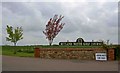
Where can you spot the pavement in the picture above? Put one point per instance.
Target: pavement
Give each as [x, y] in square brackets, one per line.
[10, 63]
[119, 67]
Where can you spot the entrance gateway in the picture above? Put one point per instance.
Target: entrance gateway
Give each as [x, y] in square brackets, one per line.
[81, 42]
[81, 53]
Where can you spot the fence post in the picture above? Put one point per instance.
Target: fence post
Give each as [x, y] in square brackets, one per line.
[36, 52]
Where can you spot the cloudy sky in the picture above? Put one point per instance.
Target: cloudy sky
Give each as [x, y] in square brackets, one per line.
[89, 20]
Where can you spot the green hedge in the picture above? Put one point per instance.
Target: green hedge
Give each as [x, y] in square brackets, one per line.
[117, 53]
[57, 46]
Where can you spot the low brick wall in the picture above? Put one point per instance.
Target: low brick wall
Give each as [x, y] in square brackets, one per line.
[111, 54]
[70, 53]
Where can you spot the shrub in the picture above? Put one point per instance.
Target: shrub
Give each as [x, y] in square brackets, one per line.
[117, 53]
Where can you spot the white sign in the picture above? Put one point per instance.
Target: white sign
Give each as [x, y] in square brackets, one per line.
[101, 56]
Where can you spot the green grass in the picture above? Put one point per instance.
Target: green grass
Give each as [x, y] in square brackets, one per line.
[22, 51]
[19, 54]
[57, 46]
[0, 50]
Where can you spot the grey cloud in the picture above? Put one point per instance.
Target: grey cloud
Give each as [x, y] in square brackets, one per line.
[90, 20]
[18, 8]
[48, 9]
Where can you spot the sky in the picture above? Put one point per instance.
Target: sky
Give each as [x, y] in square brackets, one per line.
[88, 20]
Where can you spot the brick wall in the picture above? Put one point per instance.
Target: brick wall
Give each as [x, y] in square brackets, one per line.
[111, 55]
[37, 53]
[72, 53]
[69, 53]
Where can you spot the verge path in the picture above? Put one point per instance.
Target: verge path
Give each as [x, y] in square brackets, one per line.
[10, 63]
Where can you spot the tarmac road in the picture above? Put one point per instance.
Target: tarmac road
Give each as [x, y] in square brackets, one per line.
[10, 63]
[119, 67]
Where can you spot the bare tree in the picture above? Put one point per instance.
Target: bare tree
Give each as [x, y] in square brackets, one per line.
[104, 45]
[53, 27]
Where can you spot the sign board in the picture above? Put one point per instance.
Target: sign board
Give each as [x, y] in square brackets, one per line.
[81, 42]
[101, 56]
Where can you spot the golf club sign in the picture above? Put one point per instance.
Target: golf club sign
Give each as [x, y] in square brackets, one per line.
[80, 42]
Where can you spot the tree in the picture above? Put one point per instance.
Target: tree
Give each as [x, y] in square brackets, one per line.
[53, 27]
[104, 45]
[107, 42]
[14, 35]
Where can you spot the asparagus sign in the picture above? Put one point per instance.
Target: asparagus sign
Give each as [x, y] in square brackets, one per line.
[53, 27]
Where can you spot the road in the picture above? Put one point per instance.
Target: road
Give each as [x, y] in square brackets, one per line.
[10, 63]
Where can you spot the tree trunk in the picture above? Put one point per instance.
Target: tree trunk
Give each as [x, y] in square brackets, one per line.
[15, 48]
[50, 42]
[14, 43]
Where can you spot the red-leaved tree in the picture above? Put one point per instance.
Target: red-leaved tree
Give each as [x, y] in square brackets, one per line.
[53, 27]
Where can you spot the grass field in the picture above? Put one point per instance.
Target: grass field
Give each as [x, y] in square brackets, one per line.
[57, 46]
[22, 51]
[0, 50]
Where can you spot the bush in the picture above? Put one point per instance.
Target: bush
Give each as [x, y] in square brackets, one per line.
[26, 50]
[117, 53]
